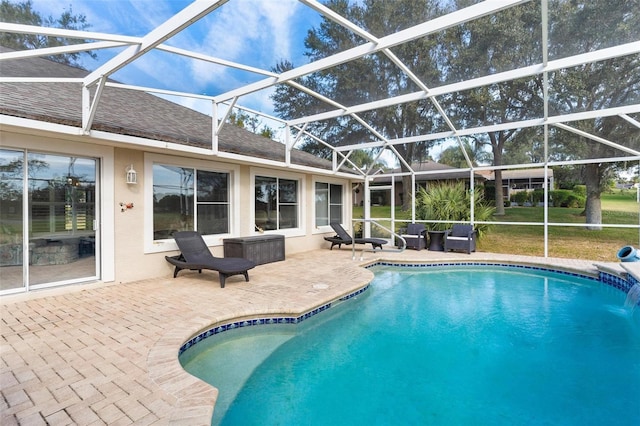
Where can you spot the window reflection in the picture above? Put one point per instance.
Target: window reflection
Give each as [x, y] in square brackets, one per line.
[186, 199]
[276, 203]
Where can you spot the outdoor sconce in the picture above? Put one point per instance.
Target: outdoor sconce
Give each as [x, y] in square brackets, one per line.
[132, 176]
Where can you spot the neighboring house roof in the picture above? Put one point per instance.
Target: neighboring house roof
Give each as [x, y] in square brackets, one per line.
[128, 112]
[437, 171]
[537, 173]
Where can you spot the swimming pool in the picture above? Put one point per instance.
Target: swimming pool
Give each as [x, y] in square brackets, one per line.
[481, 345]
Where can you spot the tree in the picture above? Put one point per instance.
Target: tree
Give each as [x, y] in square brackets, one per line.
[364, 160]
[23, 13]
[345, 83]
[454, 157]
[610, 83]
[252, 123]
[508, 40]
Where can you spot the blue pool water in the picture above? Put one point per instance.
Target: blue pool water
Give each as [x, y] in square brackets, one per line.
[437, 346]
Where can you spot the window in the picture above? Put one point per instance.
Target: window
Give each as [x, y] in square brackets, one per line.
[187, 199]
[276, 203]
[328, 203]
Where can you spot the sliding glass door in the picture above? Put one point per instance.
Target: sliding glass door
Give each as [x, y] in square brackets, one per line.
[48, 215]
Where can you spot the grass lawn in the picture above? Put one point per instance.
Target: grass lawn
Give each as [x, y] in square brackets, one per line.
[618, 207]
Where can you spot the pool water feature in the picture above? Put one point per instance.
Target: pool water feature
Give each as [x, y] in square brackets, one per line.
[463, 345]
[633, 297]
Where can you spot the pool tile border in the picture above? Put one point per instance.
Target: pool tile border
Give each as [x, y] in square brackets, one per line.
[265, 321]
[617, 281]
[609, 279]
[612, 280]
[495, 264]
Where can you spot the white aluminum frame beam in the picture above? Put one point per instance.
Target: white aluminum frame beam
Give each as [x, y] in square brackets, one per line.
[421, 30]
[405, 69]
[61, 50]
[138, 46]
[64, 33]
[163, 32]
[599, 55]
[585, 115]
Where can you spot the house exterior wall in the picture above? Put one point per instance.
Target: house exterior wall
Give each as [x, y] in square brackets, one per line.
[124, 245]
[514, 185]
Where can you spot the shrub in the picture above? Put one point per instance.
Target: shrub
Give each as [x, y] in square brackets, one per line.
[565, 198]
[575, 201]
[520, 197]
[451, 202]
[537, 196]
[580, 190]
[558, 197]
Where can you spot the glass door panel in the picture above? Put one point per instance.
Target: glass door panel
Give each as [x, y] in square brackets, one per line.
[381, 206]
[62, 213]
[11, 220]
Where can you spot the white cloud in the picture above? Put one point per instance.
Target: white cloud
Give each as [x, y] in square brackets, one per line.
[253, 32]
[279, 17]
[256, 33]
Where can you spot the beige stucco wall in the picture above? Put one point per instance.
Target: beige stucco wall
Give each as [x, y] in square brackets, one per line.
[125, 255]
[133, 263]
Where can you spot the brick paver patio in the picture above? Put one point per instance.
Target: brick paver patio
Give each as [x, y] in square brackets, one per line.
[107, 353]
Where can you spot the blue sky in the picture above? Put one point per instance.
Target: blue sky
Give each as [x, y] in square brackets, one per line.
[259, 33]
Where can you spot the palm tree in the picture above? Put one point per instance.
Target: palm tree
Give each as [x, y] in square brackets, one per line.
[454, 157]
[450, 202]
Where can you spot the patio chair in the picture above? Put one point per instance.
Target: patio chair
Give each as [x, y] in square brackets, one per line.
[415, 236]
[343, 237]
[460, 237]
[195, 255]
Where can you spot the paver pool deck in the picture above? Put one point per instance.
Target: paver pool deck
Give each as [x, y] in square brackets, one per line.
[100, 353]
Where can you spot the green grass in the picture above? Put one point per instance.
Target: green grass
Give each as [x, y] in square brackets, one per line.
[619, 207]
[621, 200]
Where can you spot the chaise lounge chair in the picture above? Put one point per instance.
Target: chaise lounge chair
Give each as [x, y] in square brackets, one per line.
[195, 255]
[343, 237]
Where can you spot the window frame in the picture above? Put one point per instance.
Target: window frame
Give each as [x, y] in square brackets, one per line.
[301, 211]
[168, 244]
[346, 200]
[330, 204]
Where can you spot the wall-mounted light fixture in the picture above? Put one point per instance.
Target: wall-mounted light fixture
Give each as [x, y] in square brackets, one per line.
[132, 176]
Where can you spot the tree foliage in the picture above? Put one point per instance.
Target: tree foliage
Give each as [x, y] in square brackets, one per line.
[370, 78]
[251, 123]
[23, 13]
[496, 43]
[449, 202]
[454, 157]
[508, 40]
[586, 27]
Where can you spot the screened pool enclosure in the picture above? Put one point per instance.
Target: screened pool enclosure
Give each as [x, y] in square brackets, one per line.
[545, 85]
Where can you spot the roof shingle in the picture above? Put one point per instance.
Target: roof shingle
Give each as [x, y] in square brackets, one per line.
[128, 112]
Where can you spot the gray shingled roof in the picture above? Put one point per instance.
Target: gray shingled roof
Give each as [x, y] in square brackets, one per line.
[127, 112]
[446, 172]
